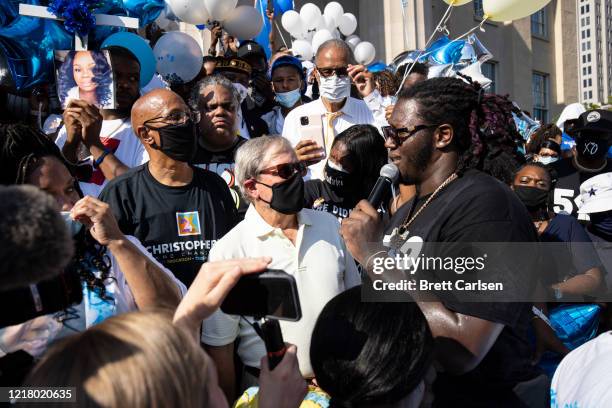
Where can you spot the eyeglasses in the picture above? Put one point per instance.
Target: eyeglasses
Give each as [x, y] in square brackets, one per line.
[285, 170]
[176, 118]
[327, 72]
[399, 136]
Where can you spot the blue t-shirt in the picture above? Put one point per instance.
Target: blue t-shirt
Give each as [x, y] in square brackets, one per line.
[574, 258]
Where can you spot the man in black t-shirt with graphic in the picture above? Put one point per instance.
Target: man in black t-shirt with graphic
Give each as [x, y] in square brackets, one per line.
[443, 133]
[217, 102]
[593, 134]
[177, 211]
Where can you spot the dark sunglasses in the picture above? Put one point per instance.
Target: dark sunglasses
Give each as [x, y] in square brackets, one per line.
[327, 72]
[399, 136]
[285, 170]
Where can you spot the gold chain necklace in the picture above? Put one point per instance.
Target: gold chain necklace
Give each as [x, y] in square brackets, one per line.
[399, 235]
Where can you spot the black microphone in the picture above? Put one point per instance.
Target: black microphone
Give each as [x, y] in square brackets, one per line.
[389, 174]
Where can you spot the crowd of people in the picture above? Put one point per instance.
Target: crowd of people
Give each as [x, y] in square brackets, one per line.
[124, 229]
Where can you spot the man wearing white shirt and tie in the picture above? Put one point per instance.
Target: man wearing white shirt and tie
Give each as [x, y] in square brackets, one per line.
[339, 111]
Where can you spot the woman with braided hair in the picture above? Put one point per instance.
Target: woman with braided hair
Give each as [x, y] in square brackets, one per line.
[117, 273]
[445, 136]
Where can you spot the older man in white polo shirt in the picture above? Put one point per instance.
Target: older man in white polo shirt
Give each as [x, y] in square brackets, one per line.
[339, 111]
[302, 242]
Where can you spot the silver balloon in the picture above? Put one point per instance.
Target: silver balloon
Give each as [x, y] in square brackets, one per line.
[481, 52]
[406, 57]
[441, 71]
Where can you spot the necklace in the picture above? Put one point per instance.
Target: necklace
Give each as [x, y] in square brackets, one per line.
[399, 235]
[587, 170]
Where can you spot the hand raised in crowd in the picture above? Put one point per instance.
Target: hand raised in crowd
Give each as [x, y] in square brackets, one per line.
[270, 14]
[211, 285]
[363, 225]
[283, 387]
[362, 78]
[215, 33]
[98, 216]
[309, 152]
[89, 122]
[263, 85]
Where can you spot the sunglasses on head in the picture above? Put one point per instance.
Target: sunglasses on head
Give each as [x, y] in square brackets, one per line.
[399, 136]
[286, 170]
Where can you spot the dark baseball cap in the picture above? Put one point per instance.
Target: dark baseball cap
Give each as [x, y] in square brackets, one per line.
[250, 47]
[596, 121]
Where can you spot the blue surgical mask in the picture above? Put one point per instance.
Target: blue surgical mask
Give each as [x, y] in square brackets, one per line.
[74, 227]
[547, 160]
[288, 99]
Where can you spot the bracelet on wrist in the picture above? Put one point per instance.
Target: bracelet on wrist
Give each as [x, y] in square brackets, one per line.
[100, 159]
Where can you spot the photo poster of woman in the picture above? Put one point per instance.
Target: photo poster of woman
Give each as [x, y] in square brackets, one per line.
[85, 75]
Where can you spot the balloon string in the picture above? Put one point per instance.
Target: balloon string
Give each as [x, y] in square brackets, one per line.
[281, 35]
[443, 21]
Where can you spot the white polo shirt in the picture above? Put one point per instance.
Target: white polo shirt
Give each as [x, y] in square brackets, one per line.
[319, 262]
[355, 112]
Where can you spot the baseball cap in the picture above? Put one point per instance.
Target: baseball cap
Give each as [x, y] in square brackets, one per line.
[596, 194]
[287, 60]
[250, 47]
[233, 64]
[598, 120]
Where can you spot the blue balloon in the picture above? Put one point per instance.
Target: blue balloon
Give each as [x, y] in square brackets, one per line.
[567, 142]
[449, 53]
[139, 47]
[201, 26]
[377, 66]
[436, 45]
[281, 6]
[27, 44]
[146, 11]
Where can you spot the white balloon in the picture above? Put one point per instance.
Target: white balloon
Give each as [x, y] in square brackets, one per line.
[508, 10]
[310, 15]
[333, 11]
[303, 49]
[336, 34]
[474, 71]
[178, 56]
[352, 41]
[244, 23]
[364, 52]
[347, 23]
[219, 9]
[325, 23]
[319, 38]
[190, 11]
[292, 22]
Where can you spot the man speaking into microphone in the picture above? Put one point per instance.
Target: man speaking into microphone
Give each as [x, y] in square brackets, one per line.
[445, 135]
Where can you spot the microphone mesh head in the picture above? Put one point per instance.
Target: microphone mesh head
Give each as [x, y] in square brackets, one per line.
[390, 171]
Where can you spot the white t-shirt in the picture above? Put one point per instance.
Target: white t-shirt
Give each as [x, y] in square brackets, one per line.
[355, 112]
[584, 377]
[35, 335]
[117, 136]
[319, 261]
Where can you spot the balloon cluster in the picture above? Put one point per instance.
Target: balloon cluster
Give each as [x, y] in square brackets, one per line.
[505, 10]
[311, 28]
[242, 22]
[446, 58]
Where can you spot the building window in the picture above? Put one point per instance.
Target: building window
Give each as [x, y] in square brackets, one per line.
[540, 96]
[539, 26]
[590, 94]
[478, 8]
[488, 70]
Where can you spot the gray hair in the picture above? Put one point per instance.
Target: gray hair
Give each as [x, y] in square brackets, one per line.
[335, 43]
[36, 245]
[254, 156]
[212, 80]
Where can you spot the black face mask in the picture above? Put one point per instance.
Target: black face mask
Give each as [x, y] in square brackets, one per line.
[339, 181]
[178, 142]
[533, 198]
[287, 197]
[591, 147]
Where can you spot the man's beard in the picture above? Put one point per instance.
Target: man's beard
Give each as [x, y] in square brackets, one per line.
[419, 161]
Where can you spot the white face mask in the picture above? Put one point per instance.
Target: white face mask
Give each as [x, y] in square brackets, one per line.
[242, 91]
[546, 160]
[334, 88]
[74, 227]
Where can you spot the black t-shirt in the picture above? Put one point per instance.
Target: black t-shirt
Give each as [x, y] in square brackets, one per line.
[223, 164]
[568, 184]
[577, 257]
[178, 225]
[478, 208]
[319, 196]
